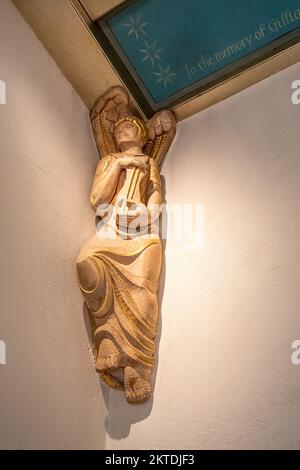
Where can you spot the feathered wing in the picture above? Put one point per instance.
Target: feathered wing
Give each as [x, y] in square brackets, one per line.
[162, 130]
[111, 106]
[115, 104]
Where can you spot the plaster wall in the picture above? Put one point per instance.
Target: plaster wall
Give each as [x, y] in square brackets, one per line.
[49, 394]
[231, 309]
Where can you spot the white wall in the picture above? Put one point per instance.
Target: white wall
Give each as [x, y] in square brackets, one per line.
[231, 310]
[49, 394]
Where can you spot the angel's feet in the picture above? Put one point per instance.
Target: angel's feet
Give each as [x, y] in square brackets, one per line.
[137, 385]
[109, 356]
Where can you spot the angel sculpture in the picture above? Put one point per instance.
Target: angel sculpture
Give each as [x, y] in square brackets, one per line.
[118, 275]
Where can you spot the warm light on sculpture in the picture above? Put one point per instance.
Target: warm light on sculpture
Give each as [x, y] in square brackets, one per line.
[119, 267]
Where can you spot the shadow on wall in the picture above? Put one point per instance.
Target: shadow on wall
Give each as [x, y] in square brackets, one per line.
[121, 414]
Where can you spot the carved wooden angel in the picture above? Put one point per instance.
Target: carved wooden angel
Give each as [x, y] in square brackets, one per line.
[119, 267]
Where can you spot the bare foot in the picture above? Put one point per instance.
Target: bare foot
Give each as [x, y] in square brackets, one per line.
[109, 356]
[137, 385]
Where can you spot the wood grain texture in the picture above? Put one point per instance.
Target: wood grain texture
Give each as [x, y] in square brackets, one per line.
[119, 267]
[96, 8]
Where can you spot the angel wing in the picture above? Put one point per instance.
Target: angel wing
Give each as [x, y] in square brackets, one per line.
[111, 106]
[162, 130]
[115, 104]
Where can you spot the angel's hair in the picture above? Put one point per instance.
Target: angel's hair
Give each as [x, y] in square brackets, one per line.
[141, 126]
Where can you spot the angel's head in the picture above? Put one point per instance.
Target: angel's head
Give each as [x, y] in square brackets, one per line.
[130, 131]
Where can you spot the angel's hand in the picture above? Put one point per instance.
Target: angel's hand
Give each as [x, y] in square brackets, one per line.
[131, 162]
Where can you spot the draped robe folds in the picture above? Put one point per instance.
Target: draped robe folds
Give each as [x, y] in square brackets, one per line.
[128, 270]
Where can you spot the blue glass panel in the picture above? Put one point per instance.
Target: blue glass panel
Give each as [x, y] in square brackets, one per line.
[172, 44]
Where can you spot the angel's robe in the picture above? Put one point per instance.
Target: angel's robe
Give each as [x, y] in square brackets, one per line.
[128, 270]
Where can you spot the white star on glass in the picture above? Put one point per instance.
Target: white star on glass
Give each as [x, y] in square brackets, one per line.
[135, 26]
[164, 76]
[151, 53]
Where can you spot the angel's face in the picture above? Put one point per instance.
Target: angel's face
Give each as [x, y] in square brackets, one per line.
[127, 133]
